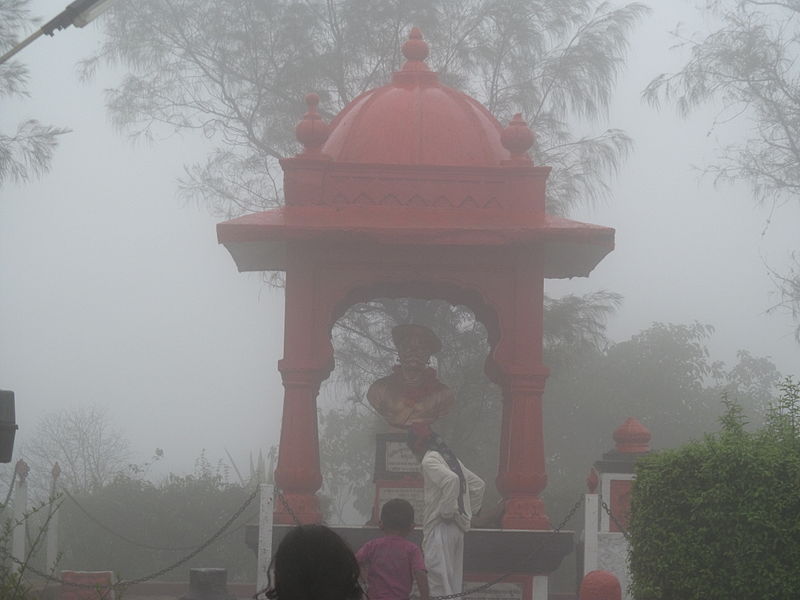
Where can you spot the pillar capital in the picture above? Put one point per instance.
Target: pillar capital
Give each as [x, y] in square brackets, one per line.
[295, 374]
[520, 378]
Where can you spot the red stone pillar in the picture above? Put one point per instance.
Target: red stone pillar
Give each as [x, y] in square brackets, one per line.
[307, 362]
[298, 475]
[521, 474]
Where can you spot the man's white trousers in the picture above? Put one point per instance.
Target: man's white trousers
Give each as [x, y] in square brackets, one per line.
[443, 547]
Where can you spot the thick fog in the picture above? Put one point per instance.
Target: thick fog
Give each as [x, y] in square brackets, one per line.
[114, 292]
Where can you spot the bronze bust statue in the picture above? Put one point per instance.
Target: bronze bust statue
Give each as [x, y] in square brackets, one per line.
[412, 393]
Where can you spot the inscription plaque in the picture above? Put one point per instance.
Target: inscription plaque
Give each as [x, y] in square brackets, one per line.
[393, 459]
[399, 458]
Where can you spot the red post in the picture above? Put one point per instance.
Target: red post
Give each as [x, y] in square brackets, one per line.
[298, 475]
[521, 474]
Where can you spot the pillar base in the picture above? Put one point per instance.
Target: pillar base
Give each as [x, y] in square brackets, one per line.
[526, 512]
[302, 509]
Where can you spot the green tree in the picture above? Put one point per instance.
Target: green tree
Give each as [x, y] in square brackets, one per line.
[717, 518]
[135, 527]
[746, 67]
[664, 376]
[27, 152]
[347, 453]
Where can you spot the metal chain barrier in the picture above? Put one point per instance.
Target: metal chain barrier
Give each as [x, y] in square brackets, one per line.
[121, 536]
[122, 585]
[288, 508]
[611, 516]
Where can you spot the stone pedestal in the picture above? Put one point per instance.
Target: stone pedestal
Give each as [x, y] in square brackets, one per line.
[604, 543]
[486, 551]
[396, 475]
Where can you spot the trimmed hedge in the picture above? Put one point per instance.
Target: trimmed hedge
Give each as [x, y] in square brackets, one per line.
[720, 518]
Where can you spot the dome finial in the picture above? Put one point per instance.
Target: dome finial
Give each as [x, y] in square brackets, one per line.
[632, 437]
[415, 49]
[312, 131]
[517, 138]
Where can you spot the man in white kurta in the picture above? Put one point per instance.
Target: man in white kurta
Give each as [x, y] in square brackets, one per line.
[446, 522]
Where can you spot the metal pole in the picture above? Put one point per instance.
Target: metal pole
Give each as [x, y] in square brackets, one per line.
[36, 34]
[52, 526]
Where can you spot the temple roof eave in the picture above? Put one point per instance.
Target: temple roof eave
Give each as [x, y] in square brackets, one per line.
[258, 241]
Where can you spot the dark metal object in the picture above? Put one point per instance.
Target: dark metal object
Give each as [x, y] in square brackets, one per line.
[8, 425]
[208, 584]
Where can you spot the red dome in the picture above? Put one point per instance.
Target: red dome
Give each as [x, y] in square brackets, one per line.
[447, 126]
[632, 437]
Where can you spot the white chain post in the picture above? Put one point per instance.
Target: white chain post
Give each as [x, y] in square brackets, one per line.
[265, 535]
[20, 508]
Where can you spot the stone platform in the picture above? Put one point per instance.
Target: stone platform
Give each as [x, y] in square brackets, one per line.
[485, 550]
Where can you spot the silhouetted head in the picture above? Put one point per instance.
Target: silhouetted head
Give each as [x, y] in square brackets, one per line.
[397, 515]
[313, 563]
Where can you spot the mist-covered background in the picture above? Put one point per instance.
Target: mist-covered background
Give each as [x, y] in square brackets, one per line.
[114, 292]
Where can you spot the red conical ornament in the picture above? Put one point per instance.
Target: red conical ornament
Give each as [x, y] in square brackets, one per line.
[592, 480]
[600, 585]
[632, 437]
[312, 131]
[517, 138]
[416, 50]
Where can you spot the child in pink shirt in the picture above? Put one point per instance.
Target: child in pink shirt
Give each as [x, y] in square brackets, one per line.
[391, 562]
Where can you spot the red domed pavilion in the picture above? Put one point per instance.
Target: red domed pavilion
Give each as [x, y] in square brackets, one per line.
[415, 190]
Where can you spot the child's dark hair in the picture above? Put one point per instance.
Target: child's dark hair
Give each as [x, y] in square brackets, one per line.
[313, 563]
[398, 515]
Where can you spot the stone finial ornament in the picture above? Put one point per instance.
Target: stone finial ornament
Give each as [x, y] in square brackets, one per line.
[592, 480]
[518, 138]
[312, 131]
[415, 49]
[600, 585]
[632, 437]
[22, 469]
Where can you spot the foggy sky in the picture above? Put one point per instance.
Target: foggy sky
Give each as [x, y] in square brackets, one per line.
[114, 292]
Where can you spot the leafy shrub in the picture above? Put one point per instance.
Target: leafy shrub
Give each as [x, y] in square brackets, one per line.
[135, 528]
[720, 518]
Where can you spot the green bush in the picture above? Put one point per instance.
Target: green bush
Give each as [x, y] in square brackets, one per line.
[720, 518]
